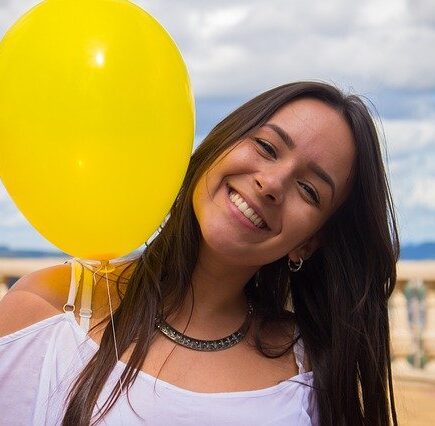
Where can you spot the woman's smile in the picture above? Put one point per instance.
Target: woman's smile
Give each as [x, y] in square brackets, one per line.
[236, 203]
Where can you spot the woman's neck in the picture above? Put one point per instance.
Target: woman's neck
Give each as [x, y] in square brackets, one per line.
[217, 295]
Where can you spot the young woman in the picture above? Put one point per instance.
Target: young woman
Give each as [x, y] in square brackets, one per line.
[282, 237]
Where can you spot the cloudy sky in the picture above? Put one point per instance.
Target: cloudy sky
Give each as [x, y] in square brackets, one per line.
[382, 50]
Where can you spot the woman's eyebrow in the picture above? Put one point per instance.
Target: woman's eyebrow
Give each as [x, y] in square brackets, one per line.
[314, 167]
[282, 133]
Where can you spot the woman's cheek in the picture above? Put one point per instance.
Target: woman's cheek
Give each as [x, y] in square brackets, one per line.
[299, 220]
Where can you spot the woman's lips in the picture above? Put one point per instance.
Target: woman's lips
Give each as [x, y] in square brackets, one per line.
[239, 216]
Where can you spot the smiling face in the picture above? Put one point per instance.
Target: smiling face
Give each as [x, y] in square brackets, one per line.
[288, 176]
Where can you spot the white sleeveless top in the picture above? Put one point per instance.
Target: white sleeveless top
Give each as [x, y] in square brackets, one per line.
[39, 363]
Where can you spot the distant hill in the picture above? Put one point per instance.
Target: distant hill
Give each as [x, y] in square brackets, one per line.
[5, 251]
[423, 251]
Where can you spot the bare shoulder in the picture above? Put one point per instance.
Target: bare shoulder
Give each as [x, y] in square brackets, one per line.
[34, 297]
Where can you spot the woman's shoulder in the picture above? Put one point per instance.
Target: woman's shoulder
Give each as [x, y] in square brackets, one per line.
[34, 297]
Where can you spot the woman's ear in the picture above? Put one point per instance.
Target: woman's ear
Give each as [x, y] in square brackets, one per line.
[306, 249]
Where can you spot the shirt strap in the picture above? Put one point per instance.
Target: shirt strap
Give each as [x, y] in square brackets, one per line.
[86, 301]
[80, 274]
[70, 303]
[298, 349]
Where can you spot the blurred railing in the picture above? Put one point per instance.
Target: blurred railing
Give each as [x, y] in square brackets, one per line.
[412, 312]
[412, 321]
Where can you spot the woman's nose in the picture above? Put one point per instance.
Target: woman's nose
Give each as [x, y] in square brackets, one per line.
[270, 187]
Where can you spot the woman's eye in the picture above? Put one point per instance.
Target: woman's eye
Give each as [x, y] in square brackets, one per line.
[310, 191]
[266, 147]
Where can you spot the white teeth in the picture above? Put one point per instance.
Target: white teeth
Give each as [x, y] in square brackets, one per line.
[238, 201]
[249, 212]
[243, 206]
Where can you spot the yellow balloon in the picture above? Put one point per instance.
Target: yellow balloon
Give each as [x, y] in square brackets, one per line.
[96, 124]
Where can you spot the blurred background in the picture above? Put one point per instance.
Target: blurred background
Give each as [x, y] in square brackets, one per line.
[379, 50]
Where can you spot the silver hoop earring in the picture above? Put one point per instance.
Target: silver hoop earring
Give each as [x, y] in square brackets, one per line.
[292, 268]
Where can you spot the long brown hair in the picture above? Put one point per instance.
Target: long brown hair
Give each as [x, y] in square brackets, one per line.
[339, 297]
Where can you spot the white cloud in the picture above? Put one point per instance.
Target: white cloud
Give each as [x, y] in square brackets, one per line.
[3, 194]
[407, 136]
[361, 44]
[411, 153]
[10, 216]
[424, 194]
[13, 220]
[383, 13]
[214, 22]
[422, 11]
[247, 46]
